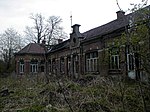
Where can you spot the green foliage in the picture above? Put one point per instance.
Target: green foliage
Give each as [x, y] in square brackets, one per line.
[136, 38]
[34, 108]
[74, 87]
[55, 109]
[93, 106]
[2, 67]
[98, 94]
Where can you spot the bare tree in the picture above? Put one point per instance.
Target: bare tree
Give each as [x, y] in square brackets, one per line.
[55, 30]
[10, 43]
[45, 29]
[38, 30]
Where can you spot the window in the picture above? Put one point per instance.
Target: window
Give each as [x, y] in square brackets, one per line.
[62, 65]
[92, 62]
[69, 64]
[50, 65]
[54, 65]
[114, 62]
[75, 64]
[74, 40]
[114, 58]
[130, 61]
[21, 66]
[130, 57]
[42, 65]
[34, 66]
[42, 68]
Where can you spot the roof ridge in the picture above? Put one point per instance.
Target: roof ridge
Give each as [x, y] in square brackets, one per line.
[28, 49]
[100, 26]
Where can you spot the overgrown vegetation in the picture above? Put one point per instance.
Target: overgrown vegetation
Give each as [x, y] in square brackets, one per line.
[88, 94]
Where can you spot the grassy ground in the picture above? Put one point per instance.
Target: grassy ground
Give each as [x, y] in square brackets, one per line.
[88, 94]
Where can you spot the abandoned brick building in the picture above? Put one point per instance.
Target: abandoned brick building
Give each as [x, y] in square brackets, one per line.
[83, 53]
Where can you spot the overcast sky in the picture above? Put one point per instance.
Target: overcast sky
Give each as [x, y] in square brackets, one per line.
[87, 13]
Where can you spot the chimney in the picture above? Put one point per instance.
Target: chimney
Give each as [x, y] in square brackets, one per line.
[120, 14]
[76, 28]
[60, 41]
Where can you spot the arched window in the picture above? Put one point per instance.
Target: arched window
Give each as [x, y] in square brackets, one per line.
[34, 66]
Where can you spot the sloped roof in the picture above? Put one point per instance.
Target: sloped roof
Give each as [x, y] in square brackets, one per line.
[98, 31]
[110, 27]
[107, 28]
[59, 46]
[32, 48]
[113, 25]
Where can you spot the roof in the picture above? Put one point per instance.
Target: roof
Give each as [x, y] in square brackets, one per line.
[32, 48]
[112, 26]
[107, 28]
[98, 31]
[59, 46]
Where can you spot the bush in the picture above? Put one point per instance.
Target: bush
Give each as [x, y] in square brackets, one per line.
[35, 108]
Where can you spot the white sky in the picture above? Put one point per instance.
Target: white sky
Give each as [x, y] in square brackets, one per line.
[87, 13]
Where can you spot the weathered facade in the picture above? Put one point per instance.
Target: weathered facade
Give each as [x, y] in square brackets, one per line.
[30, 60]
[84, 53]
